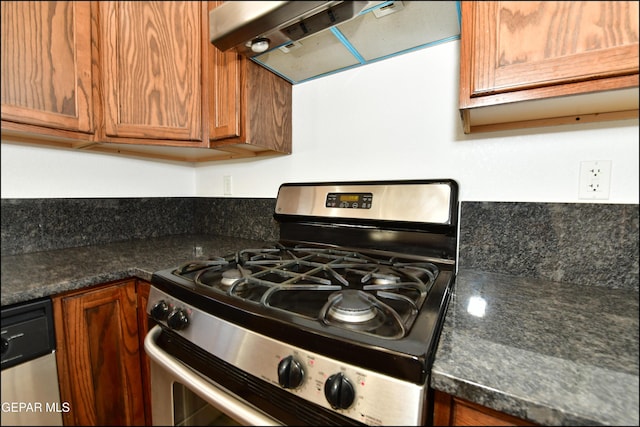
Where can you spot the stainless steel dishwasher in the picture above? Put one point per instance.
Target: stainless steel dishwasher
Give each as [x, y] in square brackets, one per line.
[30, 393]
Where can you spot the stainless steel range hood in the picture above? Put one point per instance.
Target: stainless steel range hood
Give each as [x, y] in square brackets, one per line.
[303, 40]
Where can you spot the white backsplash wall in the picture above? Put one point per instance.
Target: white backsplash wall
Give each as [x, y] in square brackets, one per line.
[35, 172]
[398, 119]
[394, 119]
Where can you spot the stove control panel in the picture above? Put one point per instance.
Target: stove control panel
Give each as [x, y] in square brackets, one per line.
[366, 396]
[349, 200]
[420, 201]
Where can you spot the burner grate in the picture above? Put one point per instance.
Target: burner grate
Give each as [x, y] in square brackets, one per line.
[380, 296]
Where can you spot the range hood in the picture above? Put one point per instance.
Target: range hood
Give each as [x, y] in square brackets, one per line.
[304, 40]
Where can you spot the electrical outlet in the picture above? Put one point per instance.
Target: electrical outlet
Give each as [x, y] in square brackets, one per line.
[595, 179]
[227, 185]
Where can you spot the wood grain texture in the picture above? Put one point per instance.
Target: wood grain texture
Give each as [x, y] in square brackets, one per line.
[142, 290]
[46, 64]
[269, 98]
[513, 52]
[540, 43]
[225, 94]
[249, 106]
[452, 411]
[98, 355]
[149, 83]
[151, 61]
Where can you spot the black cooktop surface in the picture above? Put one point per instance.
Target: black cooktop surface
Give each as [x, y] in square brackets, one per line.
[376, 295]
[381, 308]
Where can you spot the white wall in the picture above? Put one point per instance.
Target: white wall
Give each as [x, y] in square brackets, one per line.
[395, 119]
[398, 119]
[35, 172]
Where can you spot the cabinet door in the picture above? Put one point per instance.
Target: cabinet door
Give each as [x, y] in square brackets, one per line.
[225, 75]
[152, 70]
[46, 65]
[224, 102]
[143, 289]
[98, 356]
[453, 411]
[546, 63]
[249, 106]
[521, 45]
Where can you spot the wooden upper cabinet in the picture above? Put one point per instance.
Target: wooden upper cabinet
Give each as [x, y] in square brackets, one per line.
[514, 51]
[137, 78]
[151, 57]
[249, 106]
[225, 79]
[46, 67]
[540, 43]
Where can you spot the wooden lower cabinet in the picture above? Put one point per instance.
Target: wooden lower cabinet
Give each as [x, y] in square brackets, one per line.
[143, 288]
[101, 364]
[453, 411]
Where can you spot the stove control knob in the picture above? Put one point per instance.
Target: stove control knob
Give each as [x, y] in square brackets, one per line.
[290, 372]
[178, 319]
[339, 391]
[160, 311]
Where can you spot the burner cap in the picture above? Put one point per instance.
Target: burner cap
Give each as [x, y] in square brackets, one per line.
[230, 276]
[352, 306]
[386, 280]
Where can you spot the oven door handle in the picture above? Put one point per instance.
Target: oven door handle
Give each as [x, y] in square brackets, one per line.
[221, 400]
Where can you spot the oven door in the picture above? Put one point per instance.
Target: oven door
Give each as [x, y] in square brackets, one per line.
[182, 397]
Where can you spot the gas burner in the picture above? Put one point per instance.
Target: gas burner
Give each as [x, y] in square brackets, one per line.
[398, 274]
[229, 277]
[382, 276]
[351, 306]
[363, 312]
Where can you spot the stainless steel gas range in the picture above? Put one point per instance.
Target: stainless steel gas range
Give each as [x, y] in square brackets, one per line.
[336, 323]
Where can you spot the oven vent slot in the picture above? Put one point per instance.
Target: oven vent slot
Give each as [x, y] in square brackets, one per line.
[271, 399]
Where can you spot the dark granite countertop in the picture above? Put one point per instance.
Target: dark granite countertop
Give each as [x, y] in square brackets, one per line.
[549, 352]
[555, 354]
[40, 274]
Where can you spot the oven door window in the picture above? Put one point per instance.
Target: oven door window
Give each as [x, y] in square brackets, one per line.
[190, 410]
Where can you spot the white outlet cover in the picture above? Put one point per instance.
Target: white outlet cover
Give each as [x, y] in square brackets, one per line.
[595, 179]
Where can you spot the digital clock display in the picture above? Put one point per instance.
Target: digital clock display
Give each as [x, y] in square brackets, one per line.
[349, 197]
[349, 200]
